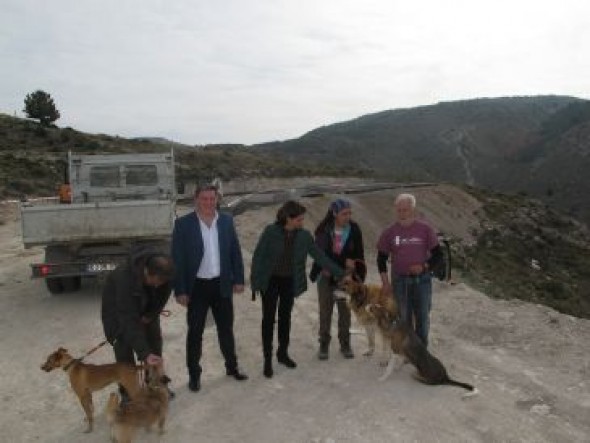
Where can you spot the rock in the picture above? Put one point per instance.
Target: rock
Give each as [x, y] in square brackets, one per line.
[487, 340]
[541, 409]
[505, 315]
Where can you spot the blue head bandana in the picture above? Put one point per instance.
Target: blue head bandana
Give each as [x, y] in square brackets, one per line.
[338, 205]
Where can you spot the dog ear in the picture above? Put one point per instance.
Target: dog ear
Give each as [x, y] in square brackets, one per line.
[62, 350]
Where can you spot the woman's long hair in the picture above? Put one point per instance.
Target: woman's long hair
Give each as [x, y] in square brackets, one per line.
[290, 209]
[326, 223]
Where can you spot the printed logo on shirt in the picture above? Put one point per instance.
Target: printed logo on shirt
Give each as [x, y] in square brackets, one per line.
[408, 241]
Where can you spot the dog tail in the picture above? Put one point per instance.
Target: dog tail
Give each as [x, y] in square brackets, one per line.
[460, 384]
[111, 408]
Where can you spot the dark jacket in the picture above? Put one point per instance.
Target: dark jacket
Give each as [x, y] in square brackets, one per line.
[125, 300]
[188, 250]
[353, 249]
[269, 249]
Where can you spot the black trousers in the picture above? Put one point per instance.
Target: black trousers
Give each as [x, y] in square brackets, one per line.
[153, 334]
[207, 294]
[279, 292]
[124, 352]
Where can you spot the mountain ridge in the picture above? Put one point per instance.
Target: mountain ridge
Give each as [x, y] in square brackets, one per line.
[507, 144]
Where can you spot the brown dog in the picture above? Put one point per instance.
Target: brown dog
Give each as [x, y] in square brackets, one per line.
[147, 409]
[405, 343]
[86, 378]
[361, 298]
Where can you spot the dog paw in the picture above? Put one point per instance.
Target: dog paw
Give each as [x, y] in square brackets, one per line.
[470, 394]
[383, 363]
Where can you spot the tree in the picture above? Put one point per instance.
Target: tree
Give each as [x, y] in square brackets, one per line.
[40, 105]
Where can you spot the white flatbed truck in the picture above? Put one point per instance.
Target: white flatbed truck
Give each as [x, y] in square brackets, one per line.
[117, 203]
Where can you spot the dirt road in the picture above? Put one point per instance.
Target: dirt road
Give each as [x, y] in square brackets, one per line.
[530, 364]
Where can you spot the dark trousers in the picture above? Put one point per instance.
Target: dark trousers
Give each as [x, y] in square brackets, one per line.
[206, 294]
[326, 303]
[414, 301]
[279, 292]
[153, 334]
[124, 352]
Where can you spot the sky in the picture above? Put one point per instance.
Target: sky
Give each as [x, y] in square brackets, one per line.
[254, 71]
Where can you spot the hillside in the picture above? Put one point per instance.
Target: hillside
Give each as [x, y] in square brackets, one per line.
[537, 146]
[534, 145]
[509, 233]
[508, 247]
[32, 158]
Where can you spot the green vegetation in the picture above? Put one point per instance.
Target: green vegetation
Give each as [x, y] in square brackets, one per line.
[510, 144]
[527, 251]
[39, 105]
[33, 158]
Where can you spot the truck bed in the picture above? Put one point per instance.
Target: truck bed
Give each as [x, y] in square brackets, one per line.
[46, 224]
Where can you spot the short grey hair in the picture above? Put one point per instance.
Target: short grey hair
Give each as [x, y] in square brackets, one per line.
[406, 197]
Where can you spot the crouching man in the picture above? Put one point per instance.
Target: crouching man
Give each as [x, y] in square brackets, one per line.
[133, 298]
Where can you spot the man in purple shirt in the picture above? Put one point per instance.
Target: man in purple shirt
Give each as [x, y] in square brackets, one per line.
[413, 247]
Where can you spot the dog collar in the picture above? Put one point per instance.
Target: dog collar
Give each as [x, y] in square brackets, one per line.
[72, 361]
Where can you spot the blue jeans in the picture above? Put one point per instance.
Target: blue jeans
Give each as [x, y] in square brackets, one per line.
[414, 300]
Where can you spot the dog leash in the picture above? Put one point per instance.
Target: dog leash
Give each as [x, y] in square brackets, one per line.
[100, 345]
[77, 360]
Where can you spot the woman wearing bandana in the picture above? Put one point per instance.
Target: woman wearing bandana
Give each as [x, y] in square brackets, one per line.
[341, 240]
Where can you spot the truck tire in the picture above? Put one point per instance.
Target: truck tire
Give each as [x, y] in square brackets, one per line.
[58, 285]
[54, 285]
[71, 284]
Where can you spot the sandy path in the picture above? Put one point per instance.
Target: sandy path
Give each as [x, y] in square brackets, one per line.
[530, 363]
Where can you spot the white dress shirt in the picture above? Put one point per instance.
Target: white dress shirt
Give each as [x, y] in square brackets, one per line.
[210, 266]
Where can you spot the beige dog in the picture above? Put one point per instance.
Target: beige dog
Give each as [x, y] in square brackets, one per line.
[360, 299]
[146, 410]
[86, 378]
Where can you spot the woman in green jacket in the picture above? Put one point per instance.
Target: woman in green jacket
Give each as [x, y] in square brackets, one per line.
[278, 273]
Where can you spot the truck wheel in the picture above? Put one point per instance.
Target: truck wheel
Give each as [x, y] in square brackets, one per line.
[71, 284]
[54, 285]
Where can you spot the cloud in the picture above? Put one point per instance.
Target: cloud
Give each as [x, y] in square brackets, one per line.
[247, 72]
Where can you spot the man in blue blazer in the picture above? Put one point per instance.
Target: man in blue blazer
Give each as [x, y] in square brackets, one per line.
[209, 269]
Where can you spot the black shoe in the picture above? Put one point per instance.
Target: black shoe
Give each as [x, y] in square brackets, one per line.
[286, 360]
[347, 352]
[235, 373]
[324, 352]
[194, 384]
[268, 372]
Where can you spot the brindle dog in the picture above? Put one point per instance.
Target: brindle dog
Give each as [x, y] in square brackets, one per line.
[405, 343]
